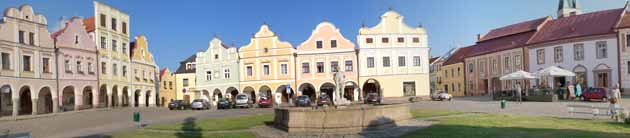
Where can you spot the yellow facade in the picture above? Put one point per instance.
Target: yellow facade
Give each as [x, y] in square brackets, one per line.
[167, 87]
[266, 65]
[144, 73]
[439, 83]
[185, 91]
[453, 81]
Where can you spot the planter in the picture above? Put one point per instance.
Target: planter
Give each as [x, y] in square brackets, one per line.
[542, 98]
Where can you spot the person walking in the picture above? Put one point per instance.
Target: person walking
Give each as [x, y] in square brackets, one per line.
[571, 88]
[578, 91]
[518, 93]
[615, 97]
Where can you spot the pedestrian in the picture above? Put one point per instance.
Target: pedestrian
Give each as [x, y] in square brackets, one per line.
[615, 97]
[571, 88]
[518, 93]
[578, 90]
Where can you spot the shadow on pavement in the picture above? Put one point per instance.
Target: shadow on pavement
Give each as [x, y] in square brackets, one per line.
[189, 129]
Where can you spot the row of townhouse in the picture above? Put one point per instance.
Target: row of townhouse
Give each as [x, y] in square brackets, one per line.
[392, 60]
[85, 64]
[593, 45]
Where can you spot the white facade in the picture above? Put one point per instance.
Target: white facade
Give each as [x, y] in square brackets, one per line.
[217, 71]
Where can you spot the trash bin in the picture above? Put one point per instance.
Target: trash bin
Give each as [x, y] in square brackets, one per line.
[503, 104]
[136, 117]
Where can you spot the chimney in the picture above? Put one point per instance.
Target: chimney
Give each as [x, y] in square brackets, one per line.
[479, 36]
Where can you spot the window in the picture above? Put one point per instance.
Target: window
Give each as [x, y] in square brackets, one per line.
[386, 62]
[333, 43]
[540, 56]
[124, 27]
[114, 24]
[124, 69]
[90, 68]
[226, 73]
[334, 66]
[628, 40]
[6, 61]
[319, 44]
[369, 40]
[170, 85]
[401, 40]
[31, 38]
[266, 70]
[507, 64]
[602, 50]
[164, 84]
[114, 47]
[471, 67]
[557, 54]
[370, 62]
[124, 48]
[284, 69]
[320, 67]
[216, 56]
[305, 67]
[208, 75]
[250, 71]
[76, 39]
[46, 65]
[103, 43]
[348, 65]
[79, 68]
[452, 72]
[115, 69]
[103, 20]
[103, 68]
[185, 82]
[21, 37]
[416, 61]
[26, 63]
[416, 40]
[578, 50]
[517, 61]
[628, 67]
[409, 88]
[401, 61]
[385, 40]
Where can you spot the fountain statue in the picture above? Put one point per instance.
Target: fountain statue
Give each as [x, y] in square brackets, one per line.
[339, 78]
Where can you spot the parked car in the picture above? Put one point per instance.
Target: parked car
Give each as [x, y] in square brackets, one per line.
[200, 104]
[441, 96]
[243, 100]
[373, 98]
[177, 104]
[323, 99]
[303, 101]
[595, 93]
[224, 103]
[264, 101]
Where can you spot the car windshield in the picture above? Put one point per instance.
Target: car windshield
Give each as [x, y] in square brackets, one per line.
[198, 100]
[263, 98]
[241, 97]
[303, 97]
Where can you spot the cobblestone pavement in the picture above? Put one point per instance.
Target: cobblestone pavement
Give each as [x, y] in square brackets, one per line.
[399, 130]
[108, 120]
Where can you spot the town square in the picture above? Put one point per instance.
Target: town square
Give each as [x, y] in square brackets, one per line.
[314, 69]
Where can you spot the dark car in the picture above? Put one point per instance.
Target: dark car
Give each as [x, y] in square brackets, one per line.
[595, 93]
[177, 104]
[323, 99]
[264, 101]
[224, 103]
[303, 101]
[373, 98]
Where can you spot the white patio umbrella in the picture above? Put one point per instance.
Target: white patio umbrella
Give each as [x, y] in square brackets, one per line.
[518, 75]
[555, 71]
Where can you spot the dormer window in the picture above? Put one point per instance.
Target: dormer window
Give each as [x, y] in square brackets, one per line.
[369, 40]
[266, 50]
[319, 44]
[333, 43]
[76, 39]
[26, 17]
[216, 56]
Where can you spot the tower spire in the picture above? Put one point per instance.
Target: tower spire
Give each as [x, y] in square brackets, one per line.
[568, 8]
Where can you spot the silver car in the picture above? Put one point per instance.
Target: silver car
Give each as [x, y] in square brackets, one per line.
[243, 100]
[200, 104]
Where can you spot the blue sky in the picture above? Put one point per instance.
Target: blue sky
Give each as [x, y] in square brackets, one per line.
[177, 29]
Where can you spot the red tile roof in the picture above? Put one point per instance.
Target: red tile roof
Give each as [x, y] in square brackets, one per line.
[162, 71]
[504, 43]
[433, 59]
[57, 33]
[459, 55]
[625, 21]
[588, 24]
[521, 27]
[89, 24]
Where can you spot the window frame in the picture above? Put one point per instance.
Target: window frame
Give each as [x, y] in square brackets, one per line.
[386, 61]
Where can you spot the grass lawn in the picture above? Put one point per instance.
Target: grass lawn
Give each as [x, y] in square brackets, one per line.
[145, 134]
[517, 126]
[427, 113]
[218, 124]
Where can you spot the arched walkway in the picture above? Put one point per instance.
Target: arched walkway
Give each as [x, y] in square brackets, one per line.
[44, 101]
[216, 95]
[102, 96]
[136, 98]
[67, 99]
[349, 90]
[308, 89]
[231, 91]
[26, 104]
[147, 98]
[249, 91]
[205, 94]
[5, 100]
[114, 96]
[371, 86]
[125, 96]
[581, 74]
[327, 88]
[264, 91]
[283, 90]
[88, 97]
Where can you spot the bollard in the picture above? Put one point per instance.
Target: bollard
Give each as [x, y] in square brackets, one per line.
[136, 118]
[503, 104]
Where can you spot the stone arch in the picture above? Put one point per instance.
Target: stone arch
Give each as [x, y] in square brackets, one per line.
[371, 86]
[307, 89]
[102, 96]
[68, 100]
[231, 91]
[125, 96]
[602, 74]
[263, 91]
[601, 66]
[205, 94]
[350, 87]
[216, 94]
[147, 98]
[249, 91]
[327, 88]
[25, 101]
[283, 90]
[581, 73]
[114, 96]
[136, 98]
[45, 101]
[88, 97]
[6, 92]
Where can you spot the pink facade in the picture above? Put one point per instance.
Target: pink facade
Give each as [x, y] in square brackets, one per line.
[316, 59]
[76, 66]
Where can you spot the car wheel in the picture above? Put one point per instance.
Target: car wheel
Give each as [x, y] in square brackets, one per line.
[604, 99]
[450, 99]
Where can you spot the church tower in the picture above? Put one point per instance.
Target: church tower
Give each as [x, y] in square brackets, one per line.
[568, 8]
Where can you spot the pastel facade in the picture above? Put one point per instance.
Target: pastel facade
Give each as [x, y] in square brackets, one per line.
[185, 80]
[110, 30]
[623, 37]
[267, 65]
[144, 73]
[433, 71]
[77, 66]
[167, 87]
[28, 75]
[453, 73]
[219, 67]
[326, 51]
[393, 58]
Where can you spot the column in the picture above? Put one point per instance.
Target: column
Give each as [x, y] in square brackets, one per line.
[109, 98]
[119, 96]
[16, 105]
[34, 106]
[55, 103]
[78, 98]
